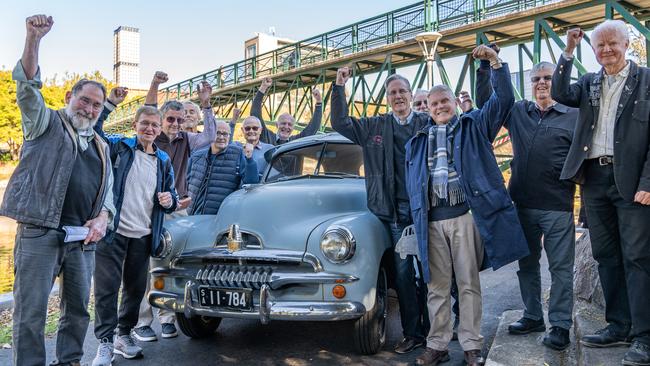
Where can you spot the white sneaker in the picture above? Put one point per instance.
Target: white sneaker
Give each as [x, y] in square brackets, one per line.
[126, 346]
[104, 355]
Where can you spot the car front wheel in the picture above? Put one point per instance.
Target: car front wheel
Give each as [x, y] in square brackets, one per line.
[370, 329]
[197, 326]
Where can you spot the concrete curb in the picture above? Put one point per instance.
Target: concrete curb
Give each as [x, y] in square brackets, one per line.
[588, 319]
[7, 299]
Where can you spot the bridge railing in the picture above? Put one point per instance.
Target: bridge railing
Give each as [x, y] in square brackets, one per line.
[383, 29]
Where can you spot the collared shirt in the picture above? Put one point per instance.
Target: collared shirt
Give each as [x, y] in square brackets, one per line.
[603, 139]
[406, 121]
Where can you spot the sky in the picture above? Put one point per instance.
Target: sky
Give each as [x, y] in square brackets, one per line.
[183, 38]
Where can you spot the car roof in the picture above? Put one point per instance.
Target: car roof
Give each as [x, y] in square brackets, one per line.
[312, 140]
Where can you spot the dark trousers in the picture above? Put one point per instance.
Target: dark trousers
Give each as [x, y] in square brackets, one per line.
[411, 291]
[620, 241]
[124, 261]
[40, 255]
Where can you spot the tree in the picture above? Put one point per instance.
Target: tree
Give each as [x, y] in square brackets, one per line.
[638, 47]
[53, 94]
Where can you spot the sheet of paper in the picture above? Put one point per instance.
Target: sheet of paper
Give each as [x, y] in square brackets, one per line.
[75, 233]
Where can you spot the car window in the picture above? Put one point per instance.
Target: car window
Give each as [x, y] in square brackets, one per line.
[328, 159]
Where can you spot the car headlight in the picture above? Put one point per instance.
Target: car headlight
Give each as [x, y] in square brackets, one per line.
[338, 244]
[164, 246]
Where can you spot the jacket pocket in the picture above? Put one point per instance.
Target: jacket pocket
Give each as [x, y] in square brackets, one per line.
[641, 111]
[488, 197]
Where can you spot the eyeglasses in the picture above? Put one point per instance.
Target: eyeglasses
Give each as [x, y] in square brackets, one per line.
[536, 79]
[172, 119]
[223, 134]
[86, 101]
[418, 103]
[153, 125]
[248, 128]
[393, 93]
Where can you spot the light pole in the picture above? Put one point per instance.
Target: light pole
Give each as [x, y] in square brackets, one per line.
[428, 43]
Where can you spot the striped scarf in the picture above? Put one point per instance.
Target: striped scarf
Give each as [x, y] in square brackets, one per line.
[445, 186]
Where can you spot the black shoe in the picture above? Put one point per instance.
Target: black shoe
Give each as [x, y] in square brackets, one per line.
[557, 339]
[603, 338]
[526, 325]
[408, 344]
[637, 355]
[454, 336]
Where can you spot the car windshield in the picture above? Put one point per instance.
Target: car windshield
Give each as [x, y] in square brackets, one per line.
[322, 160]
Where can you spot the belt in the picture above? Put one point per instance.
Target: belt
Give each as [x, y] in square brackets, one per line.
[603, 160]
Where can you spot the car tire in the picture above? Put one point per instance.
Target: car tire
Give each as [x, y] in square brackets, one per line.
[197, 326]
[370, 329]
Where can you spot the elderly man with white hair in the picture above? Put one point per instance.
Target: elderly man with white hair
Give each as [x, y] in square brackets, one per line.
[610, 157]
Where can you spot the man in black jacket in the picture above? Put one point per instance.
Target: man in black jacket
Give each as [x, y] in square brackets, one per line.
[609, 156]
[383, 139]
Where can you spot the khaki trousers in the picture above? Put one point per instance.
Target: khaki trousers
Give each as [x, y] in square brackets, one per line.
[455, 243]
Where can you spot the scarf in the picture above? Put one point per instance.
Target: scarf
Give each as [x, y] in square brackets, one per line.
[445, 185]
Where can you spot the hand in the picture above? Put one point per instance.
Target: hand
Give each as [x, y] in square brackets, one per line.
[642, 197]
[248, 151]
[117, 95]
[205, 91]
[236, 112]
[165, 199]
[573, 38]
[159, 78]
[343, 74]
[465, 101]
[266, 84]
[96, 228]
[316, 94]
[183, 203]
[484, 52]
[495, 47]
[38, 26]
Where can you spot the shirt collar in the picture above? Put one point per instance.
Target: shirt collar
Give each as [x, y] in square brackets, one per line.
[621, 74]
[408, 118]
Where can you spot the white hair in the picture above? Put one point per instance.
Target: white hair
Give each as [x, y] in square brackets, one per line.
[419, 92]
[542, 65]
[441, 88]
[617, 26]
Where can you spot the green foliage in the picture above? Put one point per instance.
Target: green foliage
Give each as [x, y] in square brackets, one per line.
[53, 91]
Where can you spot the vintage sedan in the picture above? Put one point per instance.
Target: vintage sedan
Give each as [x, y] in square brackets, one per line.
[300, 246]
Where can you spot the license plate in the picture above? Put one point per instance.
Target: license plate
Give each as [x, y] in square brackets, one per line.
[239, 299]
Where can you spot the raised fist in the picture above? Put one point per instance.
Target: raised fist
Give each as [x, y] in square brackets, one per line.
[343, 74]
[484, 52]
[205, 91]
[465, 101]
[117, 95]
[266, 84]
[236, 112]
[38, 25]
[159, 78]
[248, 151]
[165, 199]
[573, 38]
[316, 94]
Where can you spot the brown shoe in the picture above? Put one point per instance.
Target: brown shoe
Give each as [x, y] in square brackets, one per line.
[474, 358]
[408, 344]
[432, 357]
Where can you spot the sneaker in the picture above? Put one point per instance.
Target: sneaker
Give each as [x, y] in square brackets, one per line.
[557, 339]
[637, 355]
[408, 344]
[605, 337]
[144, 334]
[104, 355]
[526, 325]
[126, 347]
[168, 330]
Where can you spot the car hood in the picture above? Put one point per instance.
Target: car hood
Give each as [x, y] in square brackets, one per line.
[283, 214]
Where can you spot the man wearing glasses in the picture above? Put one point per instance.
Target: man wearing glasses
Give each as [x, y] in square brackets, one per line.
[541, 132]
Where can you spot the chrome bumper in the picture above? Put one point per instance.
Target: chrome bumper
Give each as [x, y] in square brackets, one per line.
[267, 309]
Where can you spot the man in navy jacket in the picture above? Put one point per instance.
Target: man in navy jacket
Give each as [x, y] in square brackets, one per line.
[450, 169]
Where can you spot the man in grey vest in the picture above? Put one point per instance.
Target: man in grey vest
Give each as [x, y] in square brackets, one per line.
[64, 179]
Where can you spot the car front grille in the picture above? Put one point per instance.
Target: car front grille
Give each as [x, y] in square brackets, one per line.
[235, 276]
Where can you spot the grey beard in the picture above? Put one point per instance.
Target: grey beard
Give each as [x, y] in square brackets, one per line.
[79, 121]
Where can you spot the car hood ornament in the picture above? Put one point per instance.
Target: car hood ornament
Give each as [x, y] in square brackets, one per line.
[234, 238]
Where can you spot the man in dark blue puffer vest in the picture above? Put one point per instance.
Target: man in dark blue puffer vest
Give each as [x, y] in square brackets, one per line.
[217, 171]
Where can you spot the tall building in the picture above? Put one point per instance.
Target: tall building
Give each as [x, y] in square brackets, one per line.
[126, 57]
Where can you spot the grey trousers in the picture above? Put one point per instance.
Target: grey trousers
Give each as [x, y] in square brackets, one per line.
[558, 230]
[40, 255]
[455, 246]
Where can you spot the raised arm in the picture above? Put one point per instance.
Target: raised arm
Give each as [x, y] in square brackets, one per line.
[152, 95]
[209, 133]
[236, 112]
[314, 124]
[353, 129]
[249, 174]
[256, 110]
[115, 97]
[562, 90]
[35, 116]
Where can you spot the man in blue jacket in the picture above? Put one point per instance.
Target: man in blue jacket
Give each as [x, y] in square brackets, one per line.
[450, 169]
[143, 192]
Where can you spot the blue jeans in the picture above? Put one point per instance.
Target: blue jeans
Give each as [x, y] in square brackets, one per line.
[411, 291]
[40, 256]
